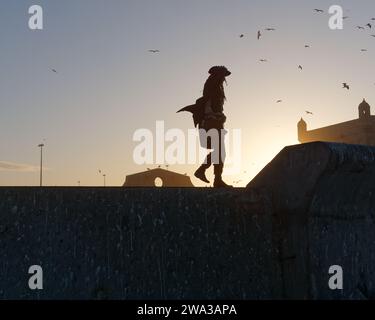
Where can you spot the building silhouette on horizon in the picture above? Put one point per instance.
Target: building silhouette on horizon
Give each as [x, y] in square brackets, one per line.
[158, 178]
[358, 131]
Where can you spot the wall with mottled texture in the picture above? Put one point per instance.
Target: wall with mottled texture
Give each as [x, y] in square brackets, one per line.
[134, 244]
[323, 204]
[310, 208]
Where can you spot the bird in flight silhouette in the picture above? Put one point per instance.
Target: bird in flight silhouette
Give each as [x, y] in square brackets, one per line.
[154, 51]
[369, 25]
[307, 46]
[242, 35]
[54, 70]
[309, 112]
[360, 28]
[263, 60]
[363, 50]
[319, 10]
[345, 86]
[270, 29]
[279, 101]
[300, 67]
[259, 35]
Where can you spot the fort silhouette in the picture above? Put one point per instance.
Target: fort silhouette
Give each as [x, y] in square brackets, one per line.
[358, 131]
[149, 179]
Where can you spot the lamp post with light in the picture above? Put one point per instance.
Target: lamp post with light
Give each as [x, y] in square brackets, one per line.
[41, 164]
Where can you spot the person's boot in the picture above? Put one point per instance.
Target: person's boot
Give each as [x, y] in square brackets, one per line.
[201, 174]
[218, 182]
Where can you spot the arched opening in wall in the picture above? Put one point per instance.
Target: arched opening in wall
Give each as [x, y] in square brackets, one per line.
[158, 182]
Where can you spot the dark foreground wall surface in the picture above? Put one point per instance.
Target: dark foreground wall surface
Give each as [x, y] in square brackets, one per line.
[323, 204]
[134, 244]
[310, 208]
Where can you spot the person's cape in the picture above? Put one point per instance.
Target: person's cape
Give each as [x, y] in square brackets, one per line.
[197, 110]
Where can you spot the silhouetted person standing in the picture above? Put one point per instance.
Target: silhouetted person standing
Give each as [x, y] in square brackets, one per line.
[208, 114]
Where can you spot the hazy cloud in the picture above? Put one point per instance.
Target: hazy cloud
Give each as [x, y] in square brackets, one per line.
[12, 166]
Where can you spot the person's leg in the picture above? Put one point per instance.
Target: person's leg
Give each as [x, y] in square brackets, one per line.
[201, 172]
[218, 167]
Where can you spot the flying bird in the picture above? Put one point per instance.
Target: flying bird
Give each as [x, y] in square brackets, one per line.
[345, 86]
[309, 112]
[270, 29]
[154, 51]
[319, 10]
[242, 35]
[346, 17]
[263, 60]
[360, 28]
[259, 35]
[307, 46]
[300, 67]
[54, 70]
[279, 101]
[369, 25]
[363, 50]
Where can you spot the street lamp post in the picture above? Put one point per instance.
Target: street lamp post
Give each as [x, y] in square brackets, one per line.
[104, 175]
[41, 163]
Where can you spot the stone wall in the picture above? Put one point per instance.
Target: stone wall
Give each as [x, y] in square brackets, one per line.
[310, 208]
[323, 204]
[136, 243]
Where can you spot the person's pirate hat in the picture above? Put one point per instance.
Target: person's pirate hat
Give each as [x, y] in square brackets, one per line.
[219, 70]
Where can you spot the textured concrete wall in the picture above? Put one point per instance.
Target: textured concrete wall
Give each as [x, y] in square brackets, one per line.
[310, 208]
[323, 204]
[135, 244]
